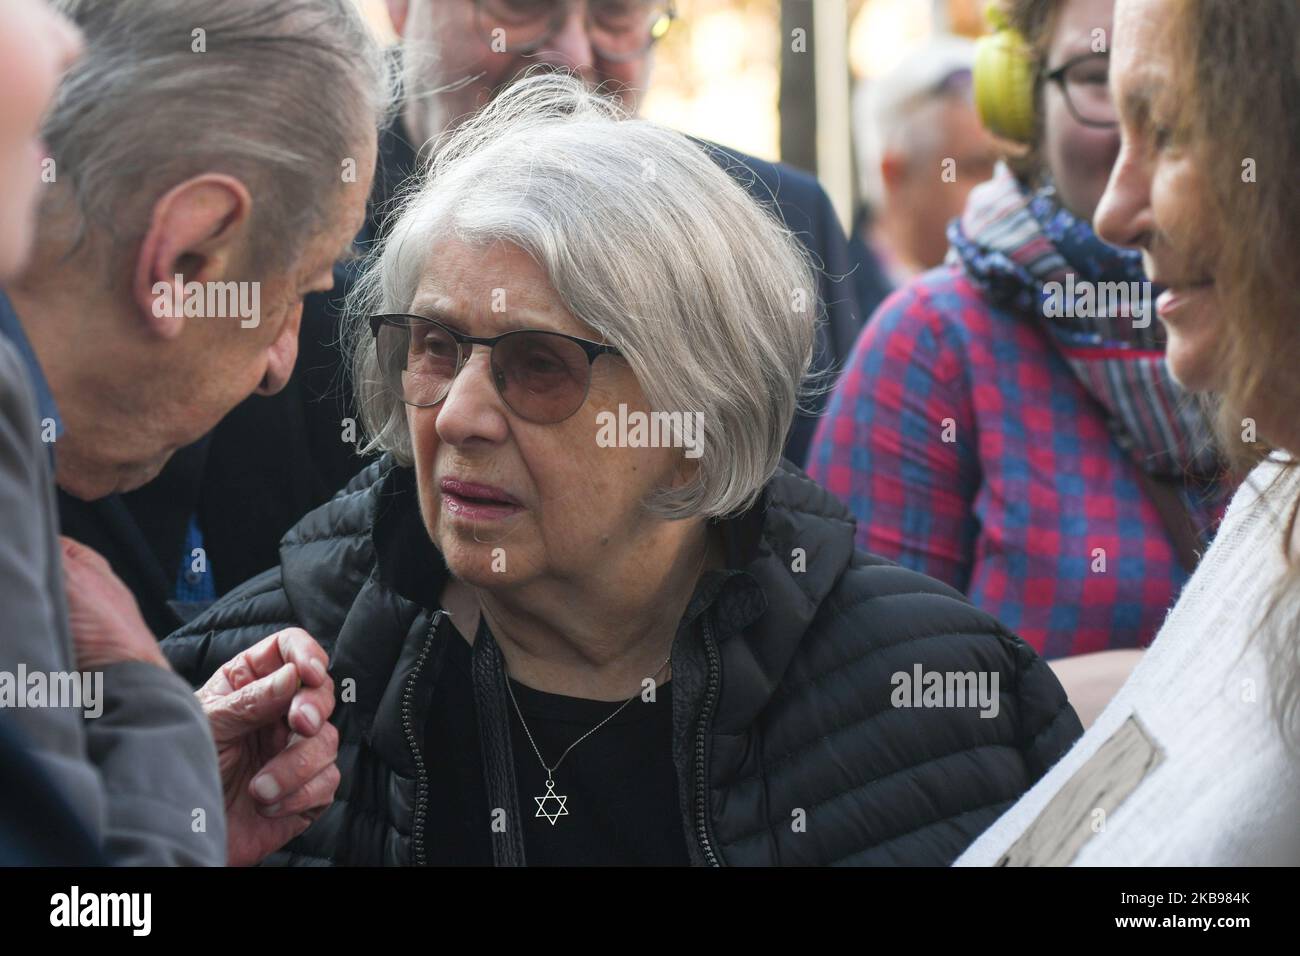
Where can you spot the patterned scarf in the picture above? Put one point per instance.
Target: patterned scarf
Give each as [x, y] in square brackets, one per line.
[1033, 258]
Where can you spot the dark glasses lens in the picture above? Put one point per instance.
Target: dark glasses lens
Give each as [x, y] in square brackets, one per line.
[518, 24]
[418, 360]
[542, 377]
[625, 29]
[1087, 86]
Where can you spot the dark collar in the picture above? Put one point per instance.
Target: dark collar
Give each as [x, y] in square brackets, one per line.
[407, 561]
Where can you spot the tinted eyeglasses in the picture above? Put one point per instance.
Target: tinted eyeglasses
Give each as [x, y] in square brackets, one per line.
[620, 30]
[543, 377]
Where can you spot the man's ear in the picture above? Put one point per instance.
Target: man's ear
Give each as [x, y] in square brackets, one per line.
[893, 170]
[397, 11]
[194, 235]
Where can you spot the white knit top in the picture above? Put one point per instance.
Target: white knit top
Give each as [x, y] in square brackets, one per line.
[1223, 790]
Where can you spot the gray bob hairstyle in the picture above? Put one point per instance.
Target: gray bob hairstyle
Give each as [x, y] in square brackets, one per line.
[711, 300]
[273, 92]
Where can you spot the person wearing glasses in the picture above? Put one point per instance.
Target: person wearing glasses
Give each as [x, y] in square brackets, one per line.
[1007, 423]
[581, 612]
[1196, 762]
[273, 460]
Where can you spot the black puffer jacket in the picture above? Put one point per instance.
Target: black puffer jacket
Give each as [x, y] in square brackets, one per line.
[787, 745]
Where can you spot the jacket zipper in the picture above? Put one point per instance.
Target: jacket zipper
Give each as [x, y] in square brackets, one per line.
[408, 726]
[701, 769]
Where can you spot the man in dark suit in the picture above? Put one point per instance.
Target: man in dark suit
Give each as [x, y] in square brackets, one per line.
[274, 458]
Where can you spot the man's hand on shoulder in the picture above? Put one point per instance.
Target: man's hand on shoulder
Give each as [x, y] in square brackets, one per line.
[103, 616]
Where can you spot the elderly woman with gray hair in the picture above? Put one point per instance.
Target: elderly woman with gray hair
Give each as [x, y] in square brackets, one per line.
[581, 612]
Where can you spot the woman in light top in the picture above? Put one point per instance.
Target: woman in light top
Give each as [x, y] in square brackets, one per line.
[1197, 759]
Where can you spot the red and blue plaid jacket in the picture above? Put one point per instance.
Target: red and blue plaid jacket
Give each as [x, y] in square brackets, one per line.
[968, 450]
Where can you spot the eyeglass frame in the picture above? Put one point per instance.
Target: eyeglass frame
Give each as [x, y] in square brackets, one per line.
[1057, 76]
[593, 351]
[558, 20]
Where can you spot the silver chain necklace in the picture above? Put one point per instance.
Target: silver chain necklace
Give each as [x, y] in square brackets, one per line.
[562, 800]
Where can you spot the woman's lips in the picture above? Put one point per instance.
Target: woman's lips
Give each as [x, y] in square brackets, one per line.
[1176, 299]
[480, 502]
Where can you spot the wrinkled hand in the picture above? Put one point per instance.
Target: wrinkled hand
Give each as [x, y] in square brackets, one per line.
[269, 708]
[103, 617]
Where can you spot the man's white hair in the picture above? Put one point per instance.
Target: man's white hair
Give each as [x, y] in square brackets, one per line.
[273, 92]
[890, 114]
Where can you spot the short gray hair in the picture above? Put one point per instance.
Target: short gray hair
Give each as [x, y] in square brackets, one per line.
[712, 301]
[276, 96]
[889, 113]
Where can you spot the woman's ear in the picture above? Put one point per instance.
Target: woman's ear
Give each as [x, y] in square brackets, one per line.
[686, 470]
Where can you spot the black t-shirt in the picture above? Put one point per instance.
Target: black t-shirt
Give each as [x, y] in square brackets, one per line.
[619, 786]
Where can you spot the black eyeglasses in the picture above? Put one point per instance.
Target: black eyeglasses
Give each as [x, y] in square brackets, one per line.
[543, 377]
[1085, 83]
[620, 30]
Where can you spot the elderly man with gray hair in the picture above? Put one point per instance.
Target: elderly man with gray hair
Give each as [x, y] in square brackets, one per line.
[921, 150]
[208, 161]
[585, 613]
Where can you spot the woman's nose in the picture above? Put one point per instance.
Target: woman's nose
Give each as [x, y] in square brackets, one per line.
[1123, 216]
[473, 410]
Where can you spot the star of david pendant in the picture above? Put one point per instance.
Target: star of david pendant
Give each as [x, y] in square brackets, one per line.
[550, 794]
